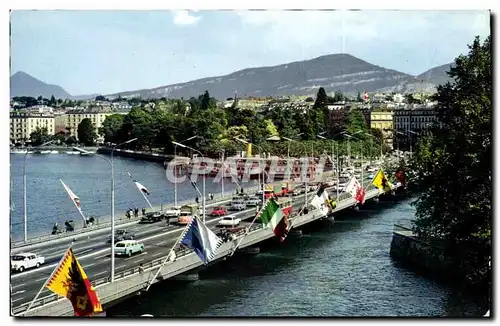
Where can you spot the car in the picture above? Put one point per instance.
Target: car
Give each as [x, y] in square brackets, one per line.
[218, 211]
[23, 261]
[128, 248]
[152, 217]
[184, 218]
[172, 212]
[238, 205]
[229, 220]
[253, 201]
[121, 235]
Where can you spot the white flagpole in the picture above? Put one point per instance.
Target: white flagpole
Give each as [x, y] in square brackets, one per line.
[142, 192]
[47, 280]
[170, 252]
[78, 208]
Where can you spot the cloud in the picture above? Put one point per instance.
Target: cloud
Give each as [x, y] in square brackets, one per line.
[182, 17]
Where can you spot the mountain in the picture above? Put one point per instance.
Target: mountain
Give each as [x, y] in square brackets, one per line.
[437, 75]
[23, 84]
[341, 72]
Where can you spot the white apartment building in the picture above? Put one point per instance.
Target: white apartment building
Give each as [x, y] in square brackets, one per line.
[22, 124]
[73, 118]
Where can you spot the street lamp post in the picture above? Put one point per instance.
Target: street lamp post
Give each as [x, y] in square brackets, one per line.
[111, 163]
[25, 206]
[175, 167]
[195, 150]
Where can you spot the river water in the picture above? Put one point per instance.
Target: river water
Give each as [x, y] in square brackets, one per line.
[337, 268]
[90, 179]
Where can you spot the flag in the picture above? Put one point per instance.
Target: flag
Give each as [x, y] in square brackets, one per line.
[352, 187]
[201, 239]
[360, 195]
[322, 201]
[138, 185]
[70, 281]
[72, 195]
[380, 181]
[273, 215]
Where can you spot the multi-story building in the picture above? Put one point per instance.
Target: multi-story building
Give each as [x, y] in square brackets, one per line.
[74, 118]
[338, 114]
[414, 118]
[22, 124]
[382, 118]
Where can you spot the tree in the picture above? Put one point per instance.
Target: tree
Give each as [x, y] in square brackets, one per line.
[60, 137]
[356, 122]
[100, 98]
[205, 101]
[321, 99]
[338, 97]
[111, 128]
[39, 136]
[453, 168]
[86, 132]
[359, 98]
[52, 101]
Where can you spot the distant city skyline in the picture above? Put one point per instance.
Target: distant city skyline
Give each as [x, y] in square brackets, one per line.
[113, 51]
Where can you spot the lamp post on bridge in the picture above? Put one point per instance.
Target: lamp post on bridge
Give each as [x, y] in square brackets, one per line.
[25, 206]
[111, 163]
[204, 174]
[175, 167]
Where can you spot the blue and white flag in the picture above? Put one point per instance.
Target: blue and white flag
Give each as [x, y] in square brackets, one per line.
[199, 238]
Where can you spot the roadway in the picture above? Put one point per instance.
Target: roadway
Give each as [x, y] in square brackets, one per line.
[94, 252]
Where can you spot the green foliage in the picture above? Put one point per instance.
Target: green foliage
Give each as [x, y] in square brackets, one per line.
[86, 132]
[356, 123]
[59, 138]
[453, 166]
[111, 127]
[39, 136]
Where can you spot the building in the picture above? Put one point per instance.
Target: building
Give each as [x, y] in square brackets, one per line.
[414, 118]
[382, 118]
[338, 113]
[22, 124]
[74, 118]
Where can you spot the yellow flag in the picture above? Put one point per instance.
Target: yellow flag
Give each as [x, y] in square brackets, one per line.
[381, 182]
[70, 281]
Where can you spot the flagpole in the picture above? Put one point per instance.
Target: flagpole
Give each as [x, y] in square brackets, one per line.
[142, 192]
[170, 251]
[47, 280]
[78, 208]
[248, 229]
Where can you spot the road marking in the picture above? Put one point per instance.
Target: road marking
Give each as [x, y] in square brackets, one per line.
[103, 256]
[136, 256]
[16, 286]
[160, 243]
[137, 261]
[158, 254]
[41, 279]
[19, 292]
[90, 265]
[100, 273]
[14, 300]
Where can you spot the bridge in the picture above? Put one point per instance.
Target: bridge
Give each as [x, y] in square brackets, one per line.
[93, 252]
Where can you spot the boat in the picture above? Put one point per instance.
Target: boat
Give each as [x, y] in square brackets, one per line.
[43, 152]
[54, 152]
[72, 152]
[87, 153]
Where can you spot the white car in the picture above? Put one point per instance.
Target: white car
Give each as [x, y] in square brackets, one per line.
[230, 220]
[253, 201]
[23, 261]
[128, 247]
[173, 211]
[238, 205]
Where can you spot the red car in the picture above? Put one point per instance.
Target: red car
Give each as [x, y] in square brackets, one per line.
[219, 211]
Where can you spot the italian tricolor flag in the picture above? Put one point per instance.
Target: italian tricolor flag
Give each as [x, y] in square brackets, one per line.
[273, 215]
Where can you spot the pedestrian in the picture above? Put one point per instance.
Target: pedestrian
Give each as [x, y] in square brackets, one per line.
[136, 213]
[197, 200]
[143, 211]
[211, 196]
[141, 268]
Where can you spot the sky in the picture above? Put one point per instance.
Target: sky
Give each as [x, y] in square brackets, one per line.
[105, 52]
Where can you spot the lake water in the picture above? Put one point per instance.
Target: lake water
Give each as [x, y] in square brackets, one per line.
[340, 268]
[90, 179]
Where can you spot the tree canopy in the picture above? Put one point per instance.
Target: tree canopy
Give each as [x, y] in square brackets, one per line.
[86, 133]
[453, 166]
